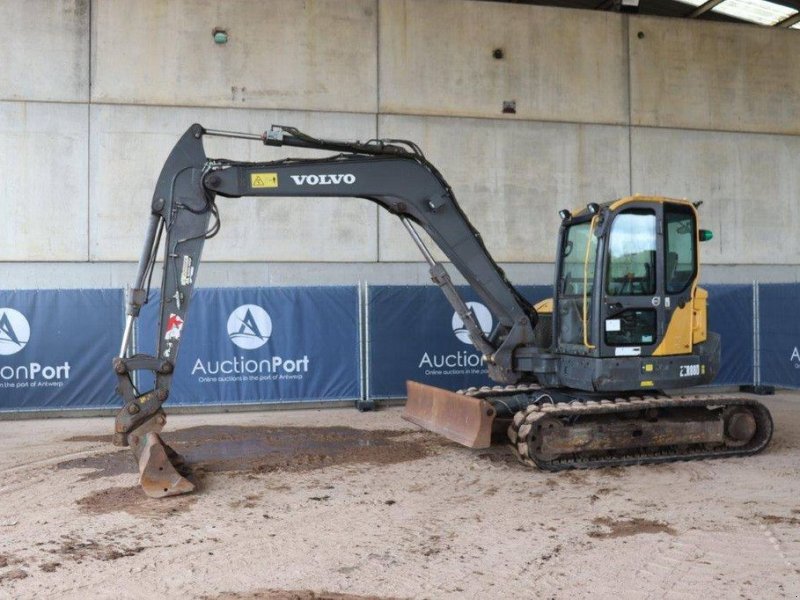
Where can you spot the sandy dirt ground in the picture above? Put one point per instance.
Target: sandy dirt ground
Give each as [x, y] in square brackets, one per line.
[342, 505]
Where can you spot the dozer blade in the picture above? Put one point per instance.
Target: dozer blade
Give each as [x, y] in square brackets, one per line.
[460, 418]
[158, 474]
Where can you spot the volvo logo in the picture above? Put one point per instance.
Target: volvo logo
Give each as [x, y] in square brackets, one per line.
[14, 331]
[346, 178]
[249, 326]
[482, 315]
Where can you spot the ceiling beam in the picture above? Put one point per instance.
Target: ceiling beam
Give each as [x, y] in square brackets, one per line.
[704, 8]
[788, 22]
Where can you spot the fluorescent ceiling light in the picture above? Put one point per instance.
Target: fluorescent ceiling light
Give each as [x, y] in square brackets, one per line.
[762, 12]
[757, 11]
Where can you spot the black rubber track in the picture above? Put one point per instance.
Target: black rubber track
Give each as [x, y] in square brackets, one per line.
[635, 404]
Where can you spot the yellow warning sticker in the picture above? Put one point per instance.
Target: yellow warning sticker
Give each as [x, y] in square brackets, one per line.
[646, 384]
[263, 180]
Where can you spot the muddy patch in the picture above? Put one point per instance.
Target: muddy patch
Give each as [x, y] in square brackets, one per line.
[501, 455]
[133, 501]
[615, 472]
[210, 449]
[108, 464]
[73, 548]
[777, 519]
[12, 575]
[291, 595]
[50, 567]
[249, 501]
[108, 438]
[8, 560]
[575, 477]
[607, 527]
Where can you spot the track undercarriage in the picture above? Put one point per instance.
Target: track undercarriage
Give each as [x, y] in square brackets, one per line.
[557, 429]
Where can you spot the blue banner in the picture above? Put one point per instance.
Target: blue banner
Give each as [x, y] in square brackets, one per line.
[779, 340]
[56, 348]
[265, 345]
[415, 334]
[260, 345]
[730, 314]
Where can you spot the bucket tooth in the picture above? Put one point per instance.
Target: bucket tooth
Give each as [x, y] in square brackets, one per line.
[158, 468]
[457, 417]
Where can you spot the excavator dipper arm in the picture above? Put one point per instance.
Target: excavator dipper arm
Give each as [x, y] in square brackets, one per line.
[393, 174]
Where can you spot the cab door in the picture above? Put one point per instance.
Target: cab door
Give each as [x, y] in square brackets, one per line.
[631, 315]
[574, 318]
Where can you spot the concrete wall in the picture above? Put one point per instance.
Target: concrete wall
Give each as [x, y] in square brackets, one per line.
[94, 93]
[128, 148]
[512, 177]
[298, 54]
[437, 58]
[45, 50]
[716, 76]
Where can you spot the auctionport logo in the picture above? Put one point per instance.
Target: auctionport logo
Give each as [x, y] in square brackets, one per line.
[249, 326]
[482, 315]
[460, 362]
[15, 331]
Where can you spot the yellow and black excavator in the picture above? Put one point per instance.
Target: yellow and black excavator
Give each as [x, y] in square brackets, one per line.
[580, 377]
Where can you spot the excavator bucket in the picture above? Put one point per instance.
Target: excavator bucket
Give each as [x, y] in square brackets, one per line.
[460, 418]
[158, 468]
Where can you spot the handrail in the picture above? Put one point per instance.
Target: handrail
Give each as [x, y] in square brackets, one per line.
[586, 282]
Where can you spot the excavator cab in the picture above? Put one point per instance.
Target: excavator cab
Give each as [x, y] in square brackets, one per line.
[628, 312]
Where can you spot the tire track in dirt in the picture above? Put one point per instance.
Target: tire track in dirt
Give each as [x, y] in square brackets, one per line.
[291, 595]
[776, 528]
[736, 564]
[44, 462]
[666, 570]
[21, 476]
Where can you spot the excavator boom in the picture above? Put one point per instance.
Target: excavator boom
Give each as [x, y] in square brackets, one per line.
[394, 174]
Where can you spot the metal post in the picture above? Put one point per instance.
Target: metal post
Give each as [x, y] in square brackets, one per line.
[364, 403]
[367, 342]
[756, 335]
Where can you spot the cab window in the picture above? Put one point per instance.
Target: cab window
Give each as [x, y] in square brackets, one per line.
[632, 254]
[632, 327]
[576, 265]
[681, 244]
